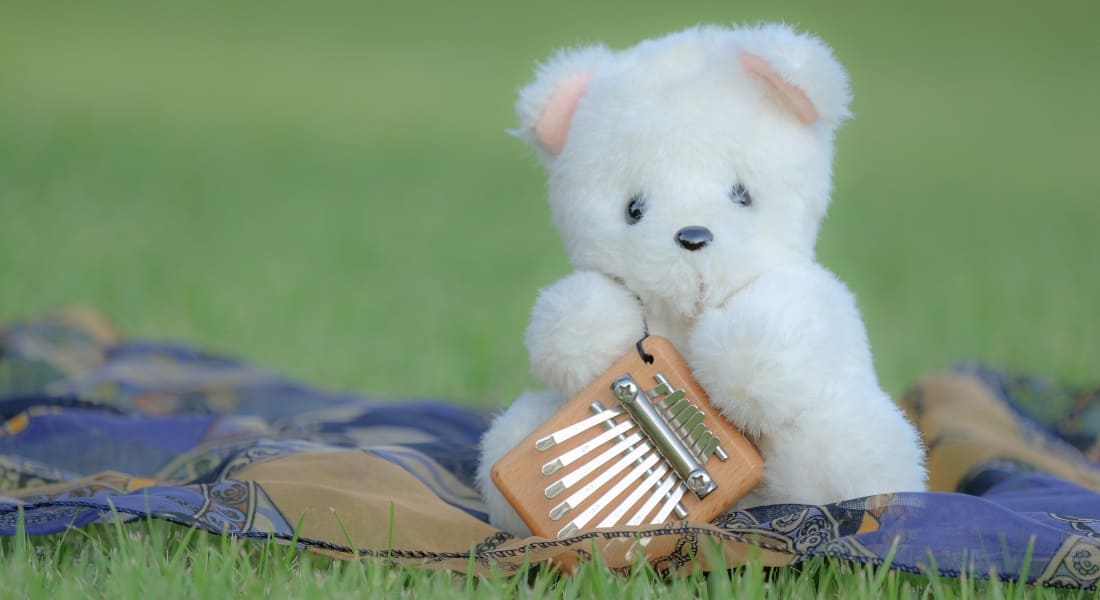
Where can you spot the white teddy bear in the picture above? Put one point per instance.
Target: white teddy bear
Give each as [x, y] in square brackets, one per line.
[688, 177]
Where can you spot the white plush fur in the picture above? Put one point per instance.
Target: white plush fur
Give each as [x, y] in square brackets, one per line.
[774, 338]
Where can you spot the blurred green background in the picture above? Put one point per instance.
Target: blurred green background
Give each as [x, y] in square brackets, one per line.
[326, 188]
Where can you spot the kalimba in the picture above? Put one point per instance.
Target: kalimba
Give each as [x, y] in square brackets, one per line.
[640, 445]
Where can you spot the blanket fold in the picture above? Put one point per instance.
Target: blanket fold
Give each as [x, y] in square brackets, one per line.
[95, 427]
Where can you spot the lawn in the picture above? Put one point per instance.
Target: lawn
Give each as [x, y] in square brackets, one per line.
[328, 190]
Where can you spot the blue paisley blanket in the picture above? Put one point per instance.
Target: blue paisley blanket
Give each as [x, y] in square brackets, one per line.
[96, 428]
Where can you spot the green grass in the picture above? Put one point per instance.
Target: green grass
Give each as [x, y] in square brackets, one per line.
[155, 560]
[327, 189]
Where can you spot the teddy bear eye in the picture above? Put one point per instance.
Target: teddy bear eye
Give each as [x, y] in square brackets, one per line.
[635, 209]
[740, 195]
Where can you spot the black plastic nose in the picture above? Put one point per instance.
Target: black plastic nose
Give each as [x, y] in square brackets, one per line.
[694, 237]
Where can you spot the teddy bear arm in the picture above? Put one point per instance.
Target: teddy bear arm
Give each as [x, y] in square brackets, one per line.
[789, 362]
[579, 326]
[775, 350]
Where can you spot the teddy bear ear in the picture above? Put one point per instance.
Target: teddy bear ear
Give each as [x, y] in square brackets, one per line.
[800, 70]
[546, 105]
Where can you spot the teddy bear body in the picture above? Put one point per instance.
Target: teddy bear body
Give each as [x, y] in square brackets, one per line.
[688, 177]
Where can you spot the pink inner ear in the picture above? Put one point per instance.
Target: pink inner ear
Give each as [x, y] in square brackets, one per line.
[552, 128]
[792, 94]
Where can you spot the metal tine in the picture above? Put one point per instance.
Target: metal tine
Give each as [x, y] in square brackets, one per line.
[663, 387]
[697, 432]
[676, 410]
[711, 446]
[680, 411]
[672, 447]
[695, 419]
[565, 433]
[571, 479]
[597, 407]
[674, 398]
[686, 411]
[706, 443]
[674, 420]
[591, 487]
[649, 485]
[669, 504]
[685, 414]
[577, 453]
[699, 443]
[567, 531]
[614, 492]
[652, 501]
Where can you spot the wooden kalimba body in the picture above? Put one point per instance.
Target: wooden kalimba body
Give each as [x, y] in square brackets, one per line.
[640, 445]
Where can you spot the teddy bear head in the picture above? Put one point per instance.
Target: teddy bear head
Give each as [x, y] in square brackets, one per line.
[689, 165]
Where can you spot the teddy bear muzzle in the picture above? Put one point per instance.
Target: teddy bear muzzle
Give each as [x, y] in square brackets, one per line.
[694, 237]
